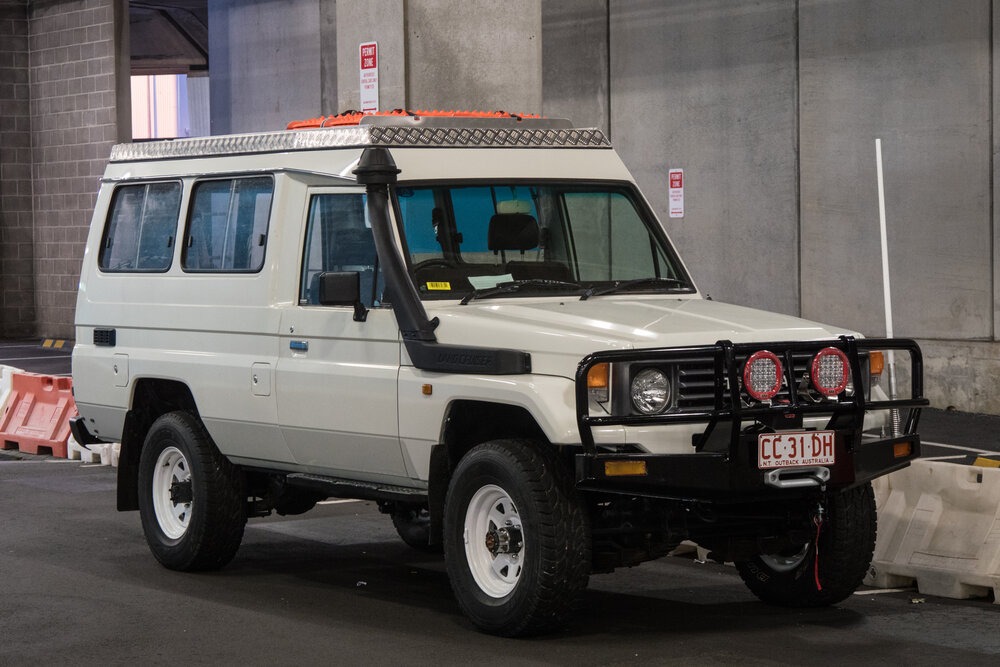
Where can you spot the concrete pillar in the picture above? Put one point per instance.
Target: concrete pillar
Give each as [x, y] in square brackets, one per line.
[264, 60]
[17, 314]
[79, 109]
[576, 80]
[444, 54]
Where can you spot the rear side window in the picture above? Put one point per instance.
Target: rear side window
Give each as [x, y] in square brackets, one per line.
[141, 228]
[227, 229]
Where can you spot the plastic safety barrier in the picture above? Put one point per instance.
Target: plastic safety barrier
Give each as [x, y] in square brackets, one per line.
[37, 414]
[939, 525]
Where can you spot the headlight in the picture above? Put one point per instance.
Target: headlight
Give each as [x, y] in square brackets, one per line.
[650, 391]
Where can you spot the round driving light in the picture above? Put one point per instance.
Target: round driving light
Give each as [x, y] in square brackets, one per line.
[650, 391]
[762, 375]
[830, 372]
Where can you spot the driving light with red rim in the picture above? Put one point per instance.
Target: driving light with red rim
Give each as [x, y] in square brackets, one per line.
[762, 375]
[830, 372]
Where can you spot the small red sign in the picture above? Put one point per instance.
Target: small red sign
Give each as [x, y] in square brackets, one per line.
[677, 179]
[369, 56]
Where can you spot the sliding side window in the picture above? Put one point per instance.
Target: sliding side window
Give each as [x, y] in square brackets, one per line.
[139, 235]
[227, 229]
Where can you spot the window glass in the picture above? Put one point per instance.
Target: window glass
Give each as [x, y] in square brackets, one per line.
[227, 230]
[141, 228]
[338, 239]
[610, 240]
[477, 236]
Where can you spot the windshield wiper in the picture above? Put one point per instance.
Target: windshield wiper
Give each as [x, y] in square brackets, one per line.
[626, 285]
[517, 285]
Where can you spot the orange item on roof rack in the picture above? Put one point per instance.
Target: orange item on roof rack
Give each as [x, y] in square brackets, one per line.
[354, 117]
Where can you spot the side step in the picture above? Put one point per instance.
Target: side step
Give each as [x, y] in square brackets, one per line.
[348, 488]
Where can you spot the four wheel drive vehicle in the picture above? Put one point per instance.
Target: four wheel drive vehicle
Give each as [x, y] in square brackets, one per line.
[479, 324]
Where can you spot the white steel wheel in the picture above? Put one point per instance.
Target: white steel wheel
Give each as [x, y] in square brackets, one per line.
[172, 493]
[494, 541]
[516, 537]
[192, 501]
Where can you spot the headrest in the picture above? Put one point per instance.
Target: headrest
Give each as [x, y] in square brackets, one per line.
[512, 231]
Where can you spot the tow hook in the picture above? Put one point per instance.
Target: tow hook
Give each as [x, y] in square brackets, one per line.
[818, 522]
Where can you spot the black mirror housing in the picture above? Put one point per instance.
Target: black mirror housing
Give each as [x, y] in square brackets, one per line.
[342, 289]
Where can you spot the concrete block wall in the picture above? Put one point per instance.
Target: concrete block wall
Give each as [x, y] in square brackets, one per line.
[17, 315]
[76, 105]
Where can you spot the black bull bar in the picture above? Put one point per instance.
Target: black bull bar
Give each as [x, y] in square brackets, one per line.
[725, 468]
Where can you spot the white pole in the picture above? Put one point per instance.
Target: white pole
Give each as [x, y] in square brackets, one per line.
[886, 291]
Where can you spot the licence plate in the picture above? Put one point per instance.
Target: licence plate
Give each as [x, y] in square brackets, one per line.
[795, 448]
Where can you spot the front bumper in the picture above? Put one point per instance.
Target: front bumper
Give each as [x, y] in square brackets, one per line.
[722, 466]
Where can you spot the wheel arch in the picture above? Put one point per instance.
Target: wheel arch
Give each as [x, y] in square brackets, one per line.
[151, 398]
[466, 424]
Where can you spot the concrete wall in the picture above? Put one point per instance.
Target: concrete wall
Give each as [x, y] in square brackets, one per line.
[264, 60]
[575, 80]
[17, 313]
[710, 87]
[384, 22]
[483, 55]
[76, 62]
[444, 54]
[873, 70]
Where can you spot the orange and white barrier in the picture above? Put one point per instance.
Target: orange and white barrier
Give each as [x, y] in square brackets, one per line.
[939, 525]
[37, 414]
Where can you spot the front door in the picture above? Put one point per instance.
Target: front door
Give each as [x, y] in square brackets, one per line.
[336, 377]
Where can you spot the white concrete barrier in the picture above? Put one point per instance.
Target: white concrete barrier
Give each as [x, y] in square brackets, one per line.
[939, 525]
[5, 374]
[77, 452]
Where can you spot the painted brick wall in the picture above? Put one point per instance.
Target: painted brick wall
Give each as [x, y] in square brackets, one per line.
[17, 313]
[74, 123]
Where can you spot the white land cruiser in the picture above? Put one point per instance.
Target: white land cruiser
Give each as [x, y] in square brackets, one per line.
[479, 324]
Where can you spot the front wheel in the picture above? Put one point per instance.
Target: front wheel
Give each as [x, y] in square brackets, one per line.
[190, 496]
[517, 543]
[846, 544]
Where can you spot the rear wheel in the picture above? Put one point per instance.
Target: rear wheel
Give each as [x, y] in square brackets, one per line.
[190, 496]
[517, 544]
[846, 545]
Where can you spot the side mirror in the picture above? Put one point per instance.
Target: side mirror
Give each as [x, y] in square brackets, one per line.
[342, 289]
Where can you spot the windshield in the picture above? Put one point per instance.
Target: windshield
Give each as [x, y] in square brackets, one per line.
[549, 237]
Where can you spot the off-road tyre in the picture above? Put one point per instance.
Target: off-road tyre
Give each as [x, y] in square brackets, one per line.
[205, 533]
[413, 524]
[524, 483]
[846, 545]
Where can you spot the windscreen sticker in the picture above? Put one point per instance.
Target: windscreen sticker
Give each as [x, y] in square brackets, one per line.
[486, 282]
[440, 286]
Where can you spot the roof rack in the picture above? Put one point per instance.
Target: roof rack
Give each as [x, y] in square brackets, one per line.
[402, 129]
